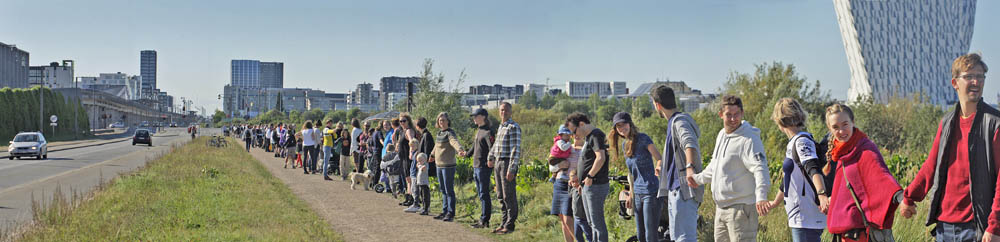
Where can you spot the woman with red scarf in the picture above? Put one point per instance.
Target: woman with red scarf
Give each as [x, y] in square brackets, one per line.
[861, 181]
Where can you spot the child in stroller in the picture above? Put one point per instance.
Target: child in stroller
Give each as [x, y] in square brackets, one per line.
[392, 169]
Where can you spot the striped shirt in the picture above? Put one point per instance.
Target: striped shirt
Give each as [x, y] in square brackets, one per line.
[508, 144]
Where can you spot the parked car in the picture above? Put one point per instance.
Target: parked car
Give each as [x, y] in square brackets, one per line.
[142, 136]
[116, 125]
[29, 144]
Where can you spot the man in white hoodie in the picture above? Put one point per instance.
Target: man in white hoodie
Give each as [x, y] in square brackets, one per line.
[738, 174]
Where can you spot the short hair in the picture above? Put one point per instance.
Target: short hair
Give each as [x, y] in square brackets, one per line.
[732, 100]
[422, 123]
[789, 113]
[664, 95]
[577, 117]
[356, 123]
[965, 63]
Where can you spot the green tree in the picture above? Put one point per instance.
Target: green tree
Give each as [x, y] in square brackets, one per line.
[529, 100]
[433, 97]
[218, 116]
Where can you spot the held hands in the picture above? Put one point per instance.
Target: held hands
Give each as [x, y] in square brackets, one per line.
[690, 178]
[763, 207]
[824, 204]
[908, 210]
[988, 237]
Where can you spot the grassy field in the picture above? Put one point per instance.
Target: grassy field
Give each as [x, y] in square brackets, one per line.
[535, 223]
[195, 192]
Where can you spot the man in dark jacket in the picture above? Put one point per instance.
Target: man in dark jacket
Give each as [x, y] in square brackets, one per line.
[479, 150]
[960, 174]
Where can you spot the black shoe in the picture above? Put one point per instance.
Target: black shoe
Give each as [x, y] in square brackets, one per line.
[449, 218]
[441, 216]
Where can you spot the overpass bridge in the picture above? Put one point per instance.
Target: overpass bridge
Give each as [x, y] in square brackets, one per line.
[104, 109]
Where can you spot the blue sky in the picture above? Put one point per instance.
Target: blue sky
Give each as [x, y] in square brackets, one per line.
[334, 45]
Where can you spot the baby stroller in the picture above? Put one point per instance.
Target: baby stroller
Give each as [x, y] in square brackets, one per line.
[627, 214]
[392, 169]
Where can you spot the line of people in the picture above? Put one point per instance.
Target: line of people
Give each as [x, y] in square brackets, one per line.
[843, 176]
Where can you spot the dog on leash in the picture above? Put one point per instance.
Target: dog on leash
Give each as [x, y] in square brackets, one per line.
[364, 179]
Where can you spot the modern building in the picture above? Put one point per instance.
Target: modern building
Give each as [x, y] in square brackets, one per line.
[904, 48]
[250, 102]
[272, 74]
[365, 98]
[391, 86]
[147, 70]
[498, 91]
[54, 75]
[13, 67]
[257, 74]
[602, 89]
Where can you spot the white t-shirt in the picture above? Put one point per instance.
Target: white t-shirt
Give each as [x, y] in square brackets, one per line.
[799, 204]
[307, 137]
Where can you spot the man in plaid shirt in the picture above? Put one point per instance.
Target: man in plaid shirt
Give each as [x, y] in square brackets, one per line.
[506, 154]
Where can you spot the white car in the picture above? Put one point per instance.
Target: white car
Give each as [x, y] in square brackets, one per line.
[116, 125]
[29, 144]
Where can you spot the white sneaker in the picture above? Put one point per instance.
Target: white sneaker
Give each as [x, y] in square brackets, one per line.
[412, 209]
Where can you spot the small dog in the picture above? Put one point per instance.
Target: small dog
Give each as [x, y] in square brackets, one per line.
[361, 178]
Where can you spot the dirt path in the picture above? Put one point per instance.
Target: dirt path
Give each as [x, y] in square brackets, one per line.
[361, 215]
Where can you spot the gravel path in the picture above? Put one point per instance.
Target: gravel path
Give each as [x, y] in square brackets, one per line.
[361, 215]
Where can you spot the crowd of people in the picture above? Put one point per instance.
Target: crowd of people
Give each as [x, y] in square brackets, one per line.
[839, 184]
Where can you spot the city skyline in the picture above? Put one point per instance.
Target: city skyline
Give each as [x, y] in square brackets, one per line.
[505, 43]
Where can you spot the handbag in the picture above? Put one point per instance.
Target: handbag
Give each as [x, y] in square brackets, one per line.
[874, 235]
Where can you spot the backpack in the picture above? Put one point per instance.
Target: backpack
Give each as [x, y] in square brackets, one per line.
[821, 154]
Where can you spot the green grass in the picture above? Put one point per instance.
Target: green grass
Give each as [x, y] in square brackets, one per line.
[535, 224]
[195, 192]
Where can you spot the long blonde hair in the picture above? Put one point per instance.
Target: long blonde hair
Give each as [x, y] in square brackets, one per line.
[830, 111]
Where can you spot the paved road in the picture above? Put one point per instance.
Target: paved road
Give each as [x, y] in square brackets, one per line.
[77, 170]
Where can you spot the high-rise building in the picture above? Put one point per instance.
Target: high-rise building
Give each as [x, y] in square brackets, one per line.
[257, 74]
[13, 67]
[147, 70]
[272, 74]
[390, 88]
[246, 73]
[904, 48]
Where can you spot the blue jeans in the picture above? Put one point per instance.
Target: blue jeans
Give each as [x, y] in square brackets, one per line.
[483, 188]
[683, 217]
[593, 205]
[446, 180]
[806, 235]
[581, 228]
[327, 153]
[956, 232]
[647, 217]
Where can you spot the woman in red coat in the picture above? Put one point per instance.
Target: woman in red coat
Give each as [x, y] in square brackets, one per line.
[861, 178]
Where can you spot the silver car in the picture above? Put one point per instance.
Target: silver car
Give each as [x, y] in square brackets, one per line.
[29, 144]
